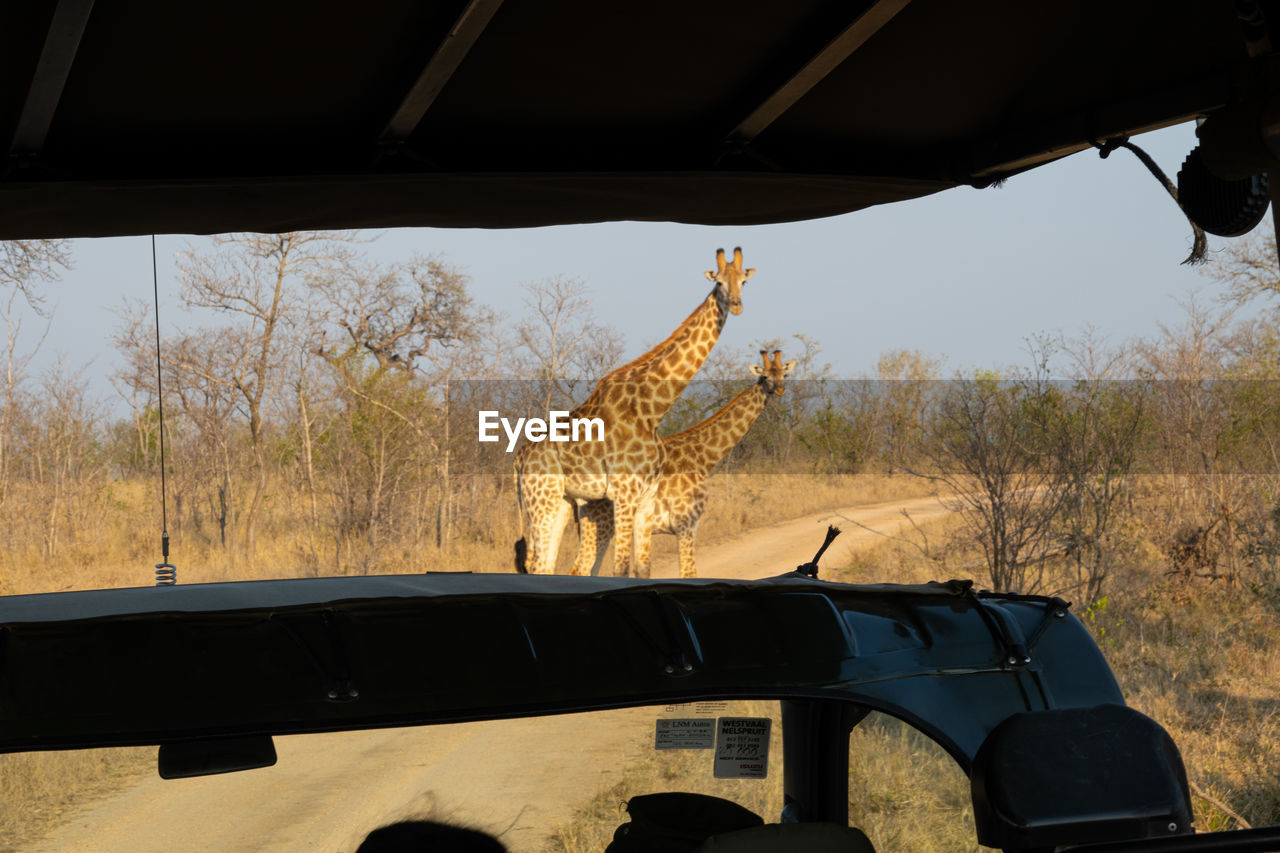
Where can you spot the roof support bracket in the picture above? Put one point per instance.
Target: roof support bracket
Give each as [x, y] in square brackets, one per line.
[448, 56]
[50, 78]
[866, 25]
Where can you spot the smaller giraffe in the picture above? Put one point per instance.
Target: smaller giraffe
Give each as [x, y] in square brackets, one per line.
[681, 498]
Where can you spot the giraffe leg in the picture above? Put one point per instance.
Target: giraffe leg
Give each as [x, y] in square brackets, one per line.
[624, 516]
[561, 517]
[685, 539]
[586, 540]
[643, 539]
[548, 527]
[632, 502]
[595, 528]
[543, 508]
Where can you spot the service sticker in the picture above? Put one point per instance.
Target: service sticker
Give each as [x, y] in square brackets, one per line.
[687, 733]
[742, 747]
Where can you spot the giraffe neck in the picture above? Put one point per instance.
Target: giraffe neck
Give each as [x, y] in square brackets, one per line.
[699, 448]
[652, 383]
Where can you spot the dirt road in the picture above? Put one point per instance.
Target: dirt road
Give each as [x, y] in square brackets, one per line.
[517, 779]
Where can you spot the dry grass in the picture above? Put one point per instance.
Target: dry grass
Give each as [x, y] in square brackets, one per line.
[905, 792]
[1202, 662]
[122, 544]
[912, 555]
[39, 789]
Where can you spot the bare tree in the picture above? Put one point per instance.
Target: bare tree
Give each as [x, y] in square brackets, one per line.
[1102, 430]
[26, 264]
[905, 382]
[136, 440]
[203, 368]
[61, 451]
[15, 367]
[253, 280]
[399, 313]
[395, 362]
[562, 344]
[199, 372]
[1248, 269]
[993, 447]
[308, 421]
[1196, 438]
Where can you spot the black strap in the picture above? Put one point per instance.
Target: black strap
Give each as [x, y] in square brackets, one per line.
[1200, 246]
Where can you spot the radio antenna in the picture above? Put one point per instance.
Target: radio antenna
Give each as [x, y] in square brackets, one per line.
[166, 572]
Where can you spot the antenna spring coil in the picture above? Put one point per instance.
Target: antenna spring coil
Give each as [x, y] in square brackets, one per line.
[166, 574]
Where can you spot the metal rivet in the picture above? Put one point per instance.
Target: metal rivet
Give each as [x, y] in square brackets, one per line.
[353, 693]
[1060, 613]
[333, 694]
[669, 669]
[1011, 660]
[1173, 827]
[688, 667]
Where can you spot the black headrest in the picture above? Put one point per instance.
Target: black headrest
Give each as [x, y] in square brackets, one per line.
[1079, 775]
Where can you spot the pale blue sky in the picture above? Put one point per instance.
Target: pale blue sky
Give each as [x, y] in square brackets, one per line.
[966, 274]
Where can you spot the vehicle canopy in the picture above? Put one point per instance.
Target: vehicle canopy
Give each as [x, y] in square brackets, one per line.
[155, 117]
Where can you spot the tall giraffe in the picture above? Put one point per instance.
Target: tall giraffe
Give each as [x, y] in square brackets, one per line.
[681, 497]
[623, 468]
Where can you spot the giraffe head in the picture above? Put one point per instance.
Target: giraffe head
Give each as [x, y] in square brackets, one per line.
[773, 372]
[729, 278]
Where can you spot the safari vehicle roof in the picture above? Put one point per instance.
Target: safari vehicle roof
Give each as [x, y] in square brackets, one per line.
[162, 664]
[161, 117]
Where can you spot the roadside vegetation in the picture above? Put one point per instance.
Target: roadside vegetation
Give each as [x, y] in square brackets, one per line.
[320, 419]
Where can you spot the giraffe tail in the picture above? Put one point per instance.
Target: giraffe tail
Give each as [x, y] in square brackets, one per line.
[522, 544]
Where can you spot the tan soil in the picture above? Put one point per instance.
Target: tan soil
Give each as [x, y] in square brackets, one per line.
[517, 779]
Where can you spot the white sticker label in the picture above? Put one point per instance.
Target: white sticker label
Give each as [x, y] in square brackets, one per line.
[684, 734]
[742, 747]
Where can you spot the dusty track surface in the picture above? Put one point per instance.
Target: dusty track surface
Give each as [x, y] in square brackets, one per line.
[517, 779]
